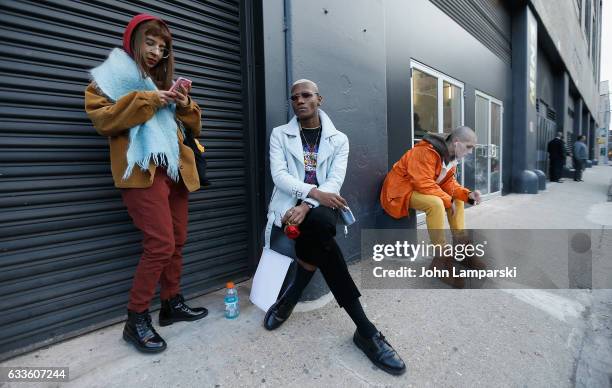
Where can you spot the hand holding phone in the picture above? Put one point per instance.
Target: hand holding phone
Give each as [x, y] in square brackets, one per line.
[181, 88]
[184, 82]
[347, 216]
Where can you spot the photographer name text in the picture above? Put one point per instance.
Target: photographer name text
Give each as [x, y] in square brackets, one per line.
[406, 272]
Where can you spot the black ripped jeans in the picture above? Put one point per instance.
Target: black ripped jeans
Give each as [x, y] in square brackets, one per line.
[316, 245]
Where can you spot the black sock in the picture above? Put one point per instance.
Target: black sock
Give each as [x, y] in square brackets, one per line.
[364, 326]
[302, 278]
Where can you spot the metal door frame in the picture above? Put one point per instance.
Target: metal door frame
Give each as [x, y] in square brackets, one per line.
[491, 100]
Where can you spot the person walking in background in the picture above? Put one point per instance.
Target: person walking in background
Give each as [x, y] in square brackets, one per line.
[128, 101]
[580, 157]
[308, 162]
[556, 153]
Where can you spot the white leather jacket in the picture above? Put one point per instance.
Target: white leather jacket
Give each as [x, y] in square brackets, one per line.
[288, 170]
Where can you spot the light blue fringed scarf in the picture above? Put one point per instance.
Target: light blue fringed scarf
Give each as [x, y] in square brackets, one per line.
[155, 139]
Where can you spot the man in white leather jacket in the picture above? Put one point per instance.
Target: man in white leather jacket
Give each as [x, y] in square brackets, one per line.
[308, 160]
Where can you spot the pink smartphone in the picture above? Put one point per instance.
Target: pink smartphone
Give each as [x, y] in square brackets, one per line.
[180, 81]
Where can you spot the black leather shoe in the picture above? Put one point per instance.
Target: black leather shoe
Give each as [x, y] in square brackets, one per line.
[139, 331]
[381, 353]
[278, 313]
[175, 310]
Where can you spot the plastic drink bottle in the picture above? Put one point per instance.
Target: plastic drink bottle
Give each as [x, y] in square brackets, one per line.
[232, 310]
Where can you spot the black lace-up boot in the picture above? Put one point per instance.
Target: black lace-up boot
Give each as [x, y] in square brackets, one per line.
[139, 331]
[175, 310]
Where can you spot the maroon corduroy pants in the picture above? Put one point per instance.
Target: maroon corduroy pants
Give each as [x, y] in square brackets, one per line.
[160, 212]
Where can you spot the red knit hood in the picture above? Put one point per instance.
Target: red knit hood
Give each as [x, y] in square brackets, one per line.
[129, 30]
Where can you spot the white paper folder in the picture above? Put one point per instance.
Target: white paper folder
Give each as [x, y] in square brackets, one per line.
[269, 278]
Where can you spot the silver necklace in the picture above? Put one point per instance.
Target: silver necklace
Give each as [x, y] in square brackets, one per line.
[310, 148]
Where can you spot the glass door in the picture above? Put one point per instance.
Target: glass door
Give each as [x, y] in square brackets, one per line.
[481, 160]
[495, 148]
[487, 153]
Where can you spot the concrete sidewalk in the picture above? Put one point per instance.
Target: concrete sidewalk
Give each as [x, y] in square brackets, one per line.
[459, 338]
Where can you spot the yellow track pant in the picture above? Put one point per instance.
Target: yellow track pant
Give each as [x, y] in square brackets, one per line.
[435, 212]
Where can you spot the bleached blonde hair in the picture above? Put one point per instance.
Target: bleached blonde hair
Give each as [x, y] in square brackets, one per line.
[305, 81]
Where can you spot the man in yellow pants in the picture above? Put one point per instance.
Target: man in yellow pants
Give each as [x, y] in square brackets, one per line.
[424, 179]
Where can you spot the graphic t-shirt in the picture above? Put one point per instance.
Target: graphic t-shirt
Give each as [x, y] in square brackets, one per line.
[311, 138]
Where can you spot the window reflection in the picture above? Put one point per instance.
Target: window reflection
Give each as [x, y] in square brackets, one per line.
[425, 103]
[451, 103]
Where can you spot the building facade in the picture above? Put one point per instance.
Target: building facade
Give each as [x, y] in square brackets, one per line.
[389, 70]
[516, 72]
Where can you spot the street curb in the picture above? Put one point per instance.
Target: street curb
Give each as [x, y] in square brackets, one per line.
[311, 305]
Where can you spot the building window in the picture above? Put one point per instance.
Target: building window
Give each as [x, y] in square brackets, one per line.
[452, 104]
[424, 103]
[437, 103]
[587, 25]
[594, 39]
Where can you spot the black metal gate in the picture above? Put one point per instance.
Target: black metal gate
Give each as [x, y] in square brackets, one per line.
[68, 249]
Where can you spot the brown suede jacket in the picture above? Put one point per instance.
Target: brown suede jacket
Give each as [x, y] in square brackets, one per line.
[114, 119]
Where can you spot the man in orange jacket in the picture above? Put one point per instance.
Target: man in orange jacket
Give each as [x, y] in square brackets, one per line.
[424, 179]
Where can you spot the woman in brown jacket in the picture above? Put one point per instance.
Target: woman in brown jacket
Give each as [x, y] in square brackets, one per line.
[129, 102]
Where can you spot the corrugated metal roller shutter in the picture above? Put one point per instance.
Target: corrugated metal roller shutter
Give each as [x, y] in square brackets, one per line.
[487, 20]
[68, 247]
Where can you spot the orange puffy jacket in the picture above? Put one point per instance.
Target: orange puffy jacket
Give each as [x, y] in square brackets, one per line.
[417, 171]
